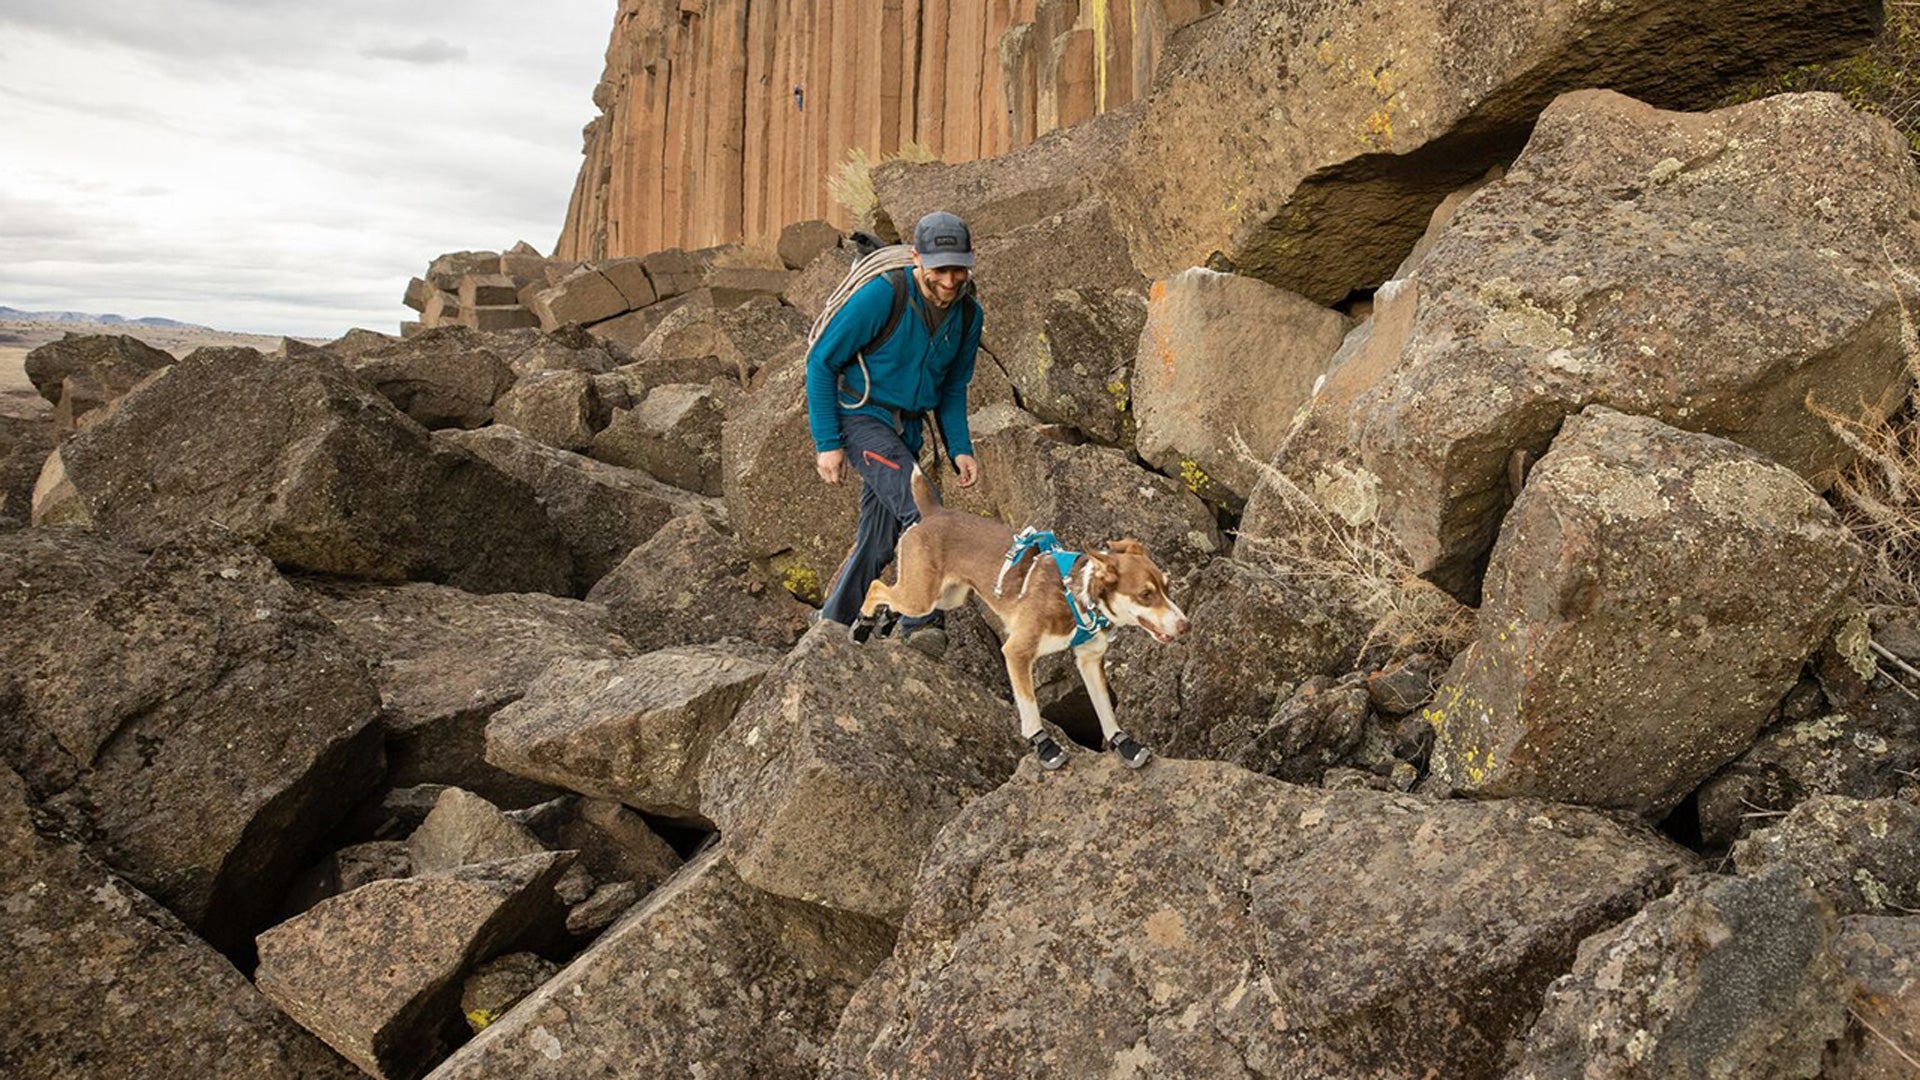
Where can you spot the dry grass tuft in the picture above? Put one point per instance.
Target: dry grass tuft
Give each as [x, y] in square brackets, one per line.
[1364, 563]
[852, 186]
[1879, 496]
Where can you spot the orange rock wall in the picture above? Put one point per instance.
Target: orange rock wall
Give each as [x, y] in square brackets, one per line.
[721, 120]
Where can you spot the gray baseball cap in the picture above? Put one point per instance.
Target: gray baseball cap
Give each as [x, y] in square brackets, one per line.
[942, 239]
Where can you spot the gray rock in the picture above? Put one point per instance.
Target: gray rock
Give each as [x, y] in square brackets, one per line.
[1225, 358]
[1312, 731]
[464, 829]
[803, 241]
[191, 714]
[499, 984]
[1618, 263]
[1881, 958]
[637, 731]
[443, 377]
[1724, 977]
[673, 436]
[601, 511]
[556, 408]
[1863, 857]
[113, 363]
[24, 446]
[598, 911]
[445, 660]
[837, 773]
[707, 970]
[692, 584]
[377, 972]
[104, 983]
[1322, 180]
[1195, 919]
[330, 478]
[345, 870]
[1653, 594]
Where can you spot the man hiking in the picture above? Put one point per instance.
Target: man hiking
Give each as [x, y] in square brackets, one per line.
[871, 414]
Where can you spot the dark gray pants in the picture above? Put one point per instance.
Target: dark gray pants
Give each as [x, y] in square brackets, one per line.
[885, 465]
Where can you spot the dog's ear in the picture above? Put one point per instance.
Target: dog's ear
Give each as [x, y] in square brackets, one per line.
[1104, 570]
[1127, 547]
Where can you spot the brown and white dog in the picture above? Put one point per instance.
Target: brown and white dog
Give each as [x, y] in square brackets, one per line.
[949, 556]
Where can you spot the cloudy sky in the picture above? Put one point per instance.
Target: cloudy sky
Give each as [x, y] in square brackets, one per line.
[280, 166]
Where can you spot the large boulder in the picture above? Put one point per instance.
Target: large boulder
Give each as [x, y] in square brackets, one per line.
[708, 972]
[691, 584]
[837, 773]
[1726, 976]
[601, 511]
[1306, 143]
[446, 660]
[443, 377]
[1255, 635]
[673, 436]
[1225, 360]
[320, 472]
[110, 364]
[464, 829]
[193, 714]
[778, 506]
[558, 408]
[377, 972]
[1653, 594]
[1722, 272]
[104, 983]
[637, 731]
[1863, 857]
[701, 342]
[1088, 494]
[1195, 919]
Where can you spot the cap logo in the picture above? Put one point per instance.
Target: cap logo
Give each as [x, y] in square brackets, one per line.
[946, 241]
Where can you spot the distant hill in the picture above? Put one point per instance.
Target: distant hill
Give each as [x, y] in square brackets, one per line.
[84, 317]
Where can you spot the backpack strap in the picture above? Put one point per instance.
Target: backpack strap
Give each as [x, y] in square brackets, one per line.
[899, 279]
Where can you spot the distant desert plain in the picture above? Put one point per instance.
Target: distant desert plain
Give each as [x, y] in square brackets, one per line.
[18, 337]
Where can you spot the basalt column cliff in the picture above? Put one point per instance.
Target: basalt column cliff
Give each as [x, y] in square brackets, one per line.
[721, 120]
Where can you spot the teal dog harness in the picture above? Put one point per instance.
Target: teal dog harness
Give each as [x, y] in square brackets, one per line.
[1087, 620]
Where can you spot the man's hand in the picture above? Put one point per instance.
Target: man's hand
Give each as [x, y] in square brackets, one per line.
[831, 465]
[969, 470]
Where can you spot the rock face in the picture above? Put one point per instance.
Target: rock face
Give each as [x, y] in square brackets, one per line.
[24, 446]
[752, 97]
[376, 972]
[321, 473]
[1863, 857]
[602, 512]
[1716, 271]
[89, 949]
[691, 584]
[441, 378]
[82, 371]
[1194, 919]
[192, 713]
[674, 435]
[837, 773]
[1653, 594]
[637, 730]
[707, 971]
[1306, 144]
[1225, 356]
[445, 660]
[1724, 977]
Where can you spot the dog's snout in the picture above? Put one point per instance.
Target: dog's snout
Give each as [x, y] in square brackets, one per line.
[1180, 626]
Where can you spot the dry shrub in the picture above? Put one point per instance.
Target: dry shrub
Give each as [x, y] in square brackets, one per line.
[1363, 563]
[1884, 79]
[1879, 495]
[852, 185]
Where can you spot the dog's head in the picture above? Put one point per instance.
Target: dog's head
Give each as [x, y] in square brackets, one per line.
[1134, 591]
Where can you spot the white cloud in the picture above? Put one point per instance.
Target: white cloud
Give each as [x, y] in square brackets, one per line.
[276, 166]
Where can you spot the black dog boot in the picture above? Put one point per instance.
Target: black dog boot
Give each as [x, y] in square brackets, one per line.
[1132, 754]
[867, 627]
[1049, 752]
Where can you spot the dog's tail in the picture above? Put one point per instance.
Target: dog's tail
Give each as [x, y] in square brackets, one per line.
[924, 497]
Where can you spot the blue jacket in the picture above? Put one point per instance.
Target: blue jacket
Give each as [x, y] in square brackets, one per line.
[913, 371]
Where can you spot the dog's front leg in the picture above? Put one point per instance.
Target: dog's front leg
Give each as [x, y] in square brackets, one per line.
[1091, 659]
[1019, 656]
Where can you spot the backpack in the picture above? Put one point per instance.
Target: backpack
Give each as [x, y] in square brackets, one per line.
[876, 260]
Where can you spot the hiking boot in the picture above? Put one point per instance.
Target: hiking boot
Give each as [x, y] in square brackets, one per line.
[1131, 753]
[930, 640]
[1049, 752]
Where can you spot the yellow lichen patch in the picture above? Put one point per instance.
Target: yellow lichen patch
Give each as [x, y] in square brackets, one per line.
[802, 581]
[1196, 478]
[478, 1019]
[1122, 399]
